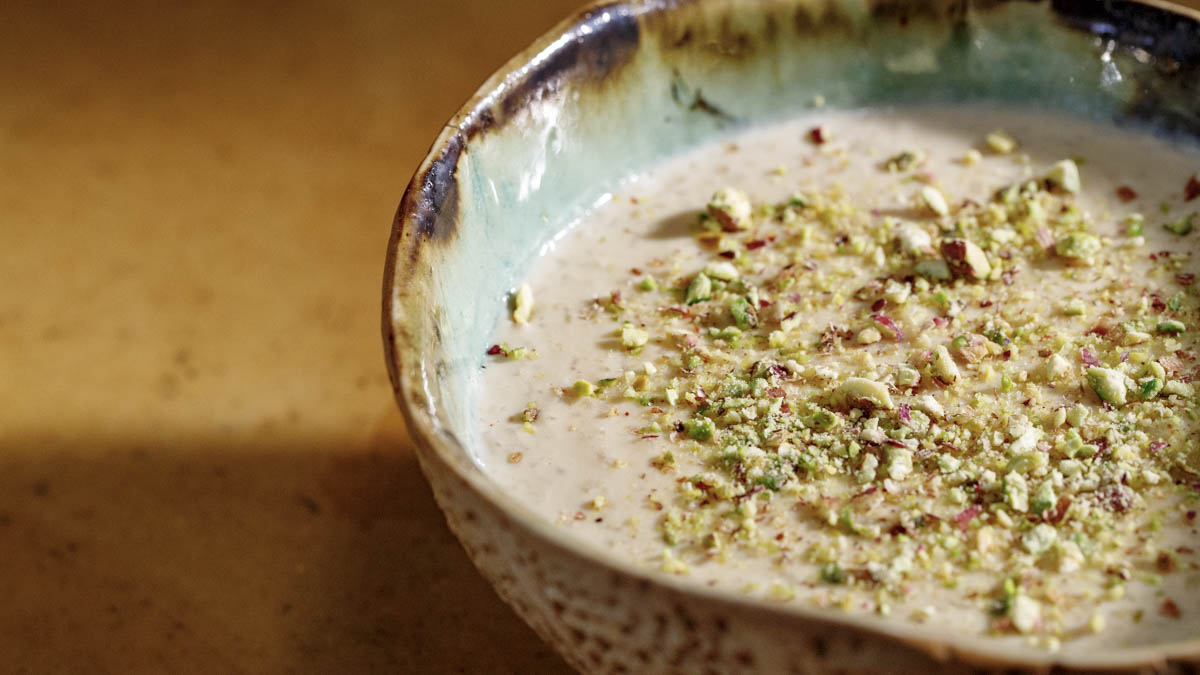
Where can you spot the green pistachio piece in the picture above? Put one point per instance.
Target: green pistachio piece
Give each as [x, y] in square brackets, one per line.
[824, 420]
[1134, 224]
[934, 269]
[1108, 384]
[907, 376]
[1150, 386]
[1171, 326]
[699, 290]
[1045, 498]
[700, 428]
[831, 573]
[1181, 226]
[1078, 246]
[743, 313]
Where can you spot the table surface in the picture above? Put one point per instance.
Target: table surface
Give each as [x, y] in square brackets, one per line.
[201, 466]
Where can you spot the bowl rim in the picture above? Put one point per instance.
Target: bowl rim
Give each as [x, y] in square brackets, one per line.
[407, 373]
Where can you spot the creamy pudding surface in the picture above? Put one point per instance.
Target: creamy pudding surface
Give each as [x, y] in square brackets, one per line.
[934, 364]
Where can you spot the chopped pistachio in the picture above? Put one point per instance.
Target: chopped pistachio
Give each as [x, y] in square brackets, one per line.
[1026, 614]
[900, 463]
[1056, 367]
[934, 200]
[948, 463]
[1177, 388]
[1073, 446]
[1134, 224]
[1155, 369]
[913, 239]
[1180, 226]
[583, 388]
[1065, 176]
[1000, 142]
[700, 428]
[1016, 492]
[522, 304]
[831, 573]
[743, 313]
[731, 208]
[1040, 539]
[966, 259]
[1134, 337]
[1044, 498]
[1149, 387]
[721, 270]
[869, 335]
[1108, 384]
[930, 406]
[907, 376]
[1077, 415]
[699, 290]
[934, 269]
[859, 391]
[943, 367]
[633, 337]
[1170, 326]
[648, 284]
[1078, 246]
[902, 161]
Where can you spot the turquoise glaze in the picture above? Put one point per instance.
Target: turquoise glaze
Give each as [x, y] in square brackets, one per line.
[626, 85]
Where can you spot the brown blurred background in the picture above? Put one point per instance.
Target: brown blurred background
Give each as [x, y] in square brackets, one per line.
[201, 467]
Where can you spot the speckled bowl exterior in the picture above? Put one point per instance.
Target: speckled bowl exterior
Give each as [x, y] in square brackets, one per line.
[624, 85]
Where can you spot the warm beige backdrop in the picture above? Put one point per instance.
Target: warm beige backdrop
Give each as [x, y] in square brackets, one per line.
[201, 468]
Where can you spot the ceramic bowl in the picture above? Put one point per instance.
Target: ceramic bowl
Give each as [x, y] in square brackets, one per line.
[623, 85]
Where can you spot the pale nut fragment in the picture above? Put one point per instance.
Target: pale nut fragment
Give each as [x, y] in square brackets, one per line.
[930, 406]
[869, 335]
[1078, 247]
[1056, 367]
[912, 239]
[731, 208]
[966, 259]
[934, 200]
[943, 368]
[723, 270]
[1064, 175]
[522, 305]
[861, 392]
[1000, 143]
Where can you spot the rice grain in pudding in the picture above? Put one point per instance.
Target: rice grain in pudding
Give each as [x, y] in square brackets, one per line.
[930, 363]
